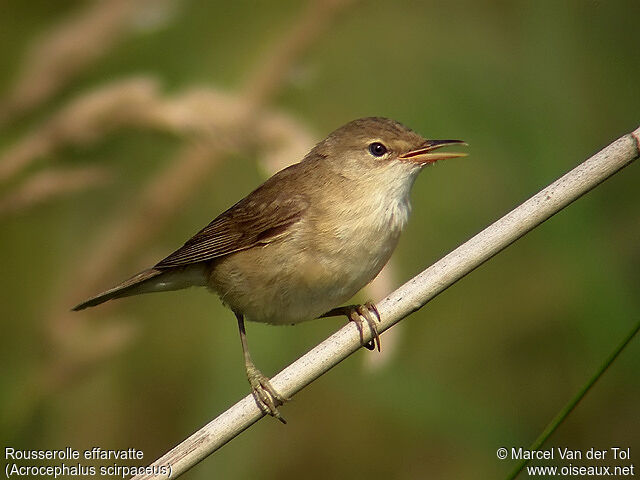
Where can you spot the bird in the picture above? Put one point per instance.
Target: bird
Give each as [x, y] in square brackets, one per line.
[306, 240]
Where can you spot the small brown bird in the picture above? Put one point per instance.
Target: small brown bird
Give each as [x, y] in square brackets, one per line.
[306, 240]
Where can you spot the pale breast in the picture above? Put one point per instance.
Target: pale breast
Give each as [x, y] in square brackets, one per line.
[365, 239]
[325, 260]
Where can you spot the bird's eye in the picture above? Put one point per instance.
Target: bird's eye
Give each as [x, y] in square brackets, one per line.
[377, 149]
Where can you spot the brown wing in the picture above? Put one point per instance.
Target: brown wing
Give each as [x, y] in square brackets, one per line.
[255, 220]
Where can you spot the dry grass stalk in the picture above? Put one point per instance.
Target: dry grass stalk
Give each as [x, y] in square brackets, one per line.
[68, 49]
[48, 184]
[83, 121]
[138, 102]
[275, 66]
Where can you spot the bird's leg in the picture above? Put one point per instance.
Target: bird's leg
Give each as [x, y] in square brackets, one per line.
[355, 314]
[267, 398]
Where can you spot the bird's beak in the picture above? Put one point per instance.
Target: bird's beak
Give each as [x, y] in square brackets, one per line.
[424, 155]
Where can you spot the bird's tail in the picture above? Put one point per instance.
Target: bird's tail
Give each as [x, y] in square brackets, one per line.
[132, 286]
[153, 280]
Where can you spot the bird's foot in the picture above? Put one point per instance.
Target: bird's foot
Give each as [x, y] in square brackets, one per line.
[356, 313]
[267, 398]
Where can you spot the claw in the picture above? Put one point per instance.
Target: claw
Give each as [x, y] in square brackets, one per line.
[366, 310]
[355, 313]
[267, 398]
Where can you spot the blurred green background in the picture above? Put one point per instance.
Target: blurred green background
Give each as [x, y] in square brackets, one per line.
[533, 87]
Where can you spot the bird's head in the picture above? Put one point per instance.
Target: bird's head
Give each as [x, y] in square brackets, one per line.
[380, 148]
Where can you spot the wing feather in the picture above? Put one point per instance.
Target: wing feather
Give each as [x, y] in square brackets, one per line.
[257, 219]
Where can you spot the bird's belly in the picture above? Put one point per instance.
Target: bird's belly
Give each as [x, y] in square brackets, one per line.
[294, 281]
